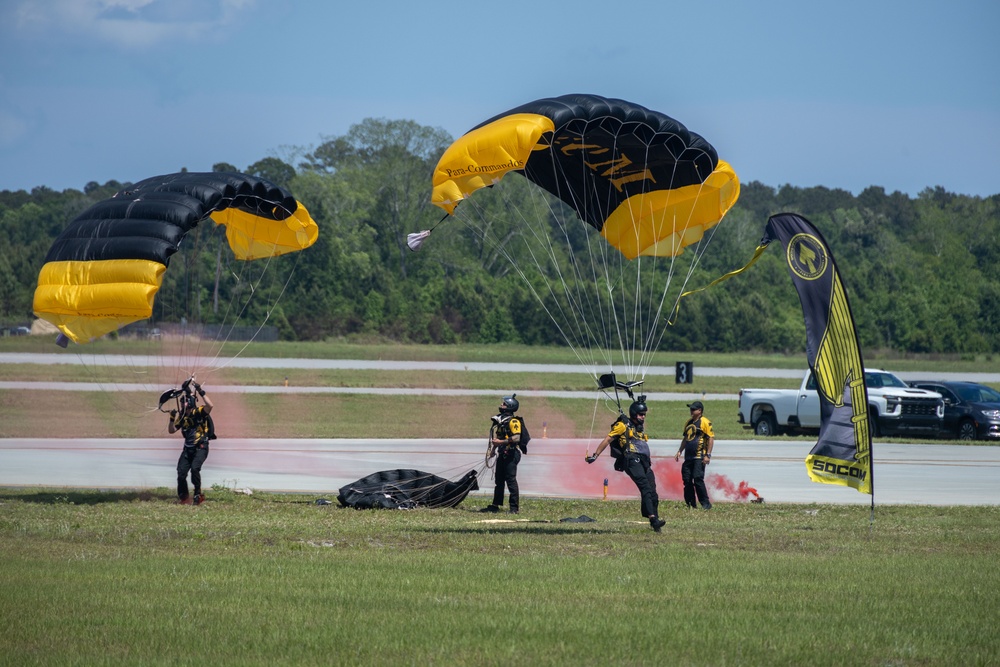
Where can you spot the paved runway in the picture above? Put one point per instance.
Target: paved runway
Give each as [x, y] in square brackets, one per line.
[904, 474]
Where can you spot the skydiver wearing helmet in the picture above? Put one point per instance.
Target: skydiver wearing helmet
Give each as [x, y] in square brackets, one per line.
[631, 452]
[195, 425]
[505, 441]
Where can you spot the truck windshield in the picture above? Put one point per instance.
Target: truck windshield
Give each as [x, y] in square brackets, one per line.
[878, 380]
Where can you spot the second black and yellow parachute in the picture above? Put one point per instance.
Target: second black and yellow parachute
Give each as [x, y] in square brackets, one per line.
[105, 269]
[642, 179]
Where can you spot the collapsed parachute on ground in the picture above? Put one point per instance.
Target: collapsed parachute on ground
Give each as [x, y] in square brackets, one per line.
[406, 489]
[641, 178]
[105, 269]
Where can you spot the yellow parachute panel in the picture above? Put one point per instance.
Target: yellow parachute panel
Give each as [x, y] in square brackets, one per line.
[663, 222]
[250, 238]
[86, 300]
[484, 155]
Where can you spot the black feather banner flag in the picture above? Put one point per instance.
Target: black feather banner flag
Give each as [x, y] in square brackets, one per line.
[843, 453]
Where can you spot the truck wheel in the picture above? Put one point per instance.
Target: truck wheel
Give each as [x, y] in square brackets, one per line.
[873, 423]
[766, 425]
[967, 430]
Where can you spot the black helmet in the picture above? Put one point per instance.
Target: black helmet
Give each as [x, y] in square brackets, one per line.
[509, 404]
[637, 407]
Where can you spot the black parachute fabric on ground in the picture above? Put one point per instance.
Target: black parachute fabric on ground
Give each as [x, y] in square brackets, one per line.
[406, 489]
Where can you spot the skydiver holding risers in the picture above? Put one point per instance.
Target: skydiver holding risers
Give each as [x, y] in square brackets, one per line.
[194, 423]
[631, 451]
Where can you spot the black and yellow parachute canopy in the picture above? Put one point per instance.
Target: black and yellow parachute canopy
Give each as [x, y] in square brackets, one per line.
[105, 269]
[643, 180]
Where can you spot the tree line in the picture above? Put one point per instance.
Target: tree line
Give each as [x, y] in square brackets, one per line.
[922, 274]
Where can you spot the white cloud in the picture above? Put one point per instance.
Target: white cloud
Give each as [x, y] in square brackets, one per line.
[127, 23]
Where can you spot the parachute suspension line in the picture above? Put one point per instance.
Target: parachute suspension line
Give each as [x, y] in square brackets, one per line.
[193, 359]
[603, 311]
[593, 418]
[251, 276]
[267, 317]
[566, 305]
[574, 311]
[574, 298]
[629, 344]
[648, 347]
[597, 256]
[242, 277]
[628, 326]
[657, 327]
[162, 364]
[697, 254]
[617, 331]
[594, 315]
[105, 376]
[249, 281]
[647, 269]
[226, 333]
[483, 233]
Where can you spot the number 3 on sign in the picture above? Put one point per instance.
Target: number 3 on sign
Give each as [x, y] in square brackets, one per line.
[684, 372]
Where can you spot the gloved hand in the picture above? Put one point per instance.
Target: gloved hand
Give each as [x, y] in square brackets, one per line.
[173, 415]
[591, 458]
[185, 385]
[197, 388]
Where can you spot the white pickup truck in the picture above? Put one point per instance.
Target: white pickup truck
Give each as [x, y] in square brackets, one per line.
[893, 406]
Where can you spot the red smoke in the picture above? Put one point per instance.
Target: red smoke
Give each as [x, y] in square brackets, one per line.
[670, 487]
[723, 484]
[557, 467]
[668, 479]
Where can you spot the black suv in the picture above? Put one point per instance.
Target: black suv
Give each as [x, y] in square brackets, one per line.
[971, 411]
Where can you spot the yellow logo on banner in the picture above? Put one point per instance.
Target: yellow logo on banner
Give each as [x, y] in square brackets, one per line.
[807, 256]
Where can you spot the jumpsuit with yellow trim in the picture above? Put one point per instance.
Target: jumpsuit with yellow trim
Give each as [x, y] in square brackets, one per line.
[637, 465]
[194, 428]
[697, 432]
[505, 473]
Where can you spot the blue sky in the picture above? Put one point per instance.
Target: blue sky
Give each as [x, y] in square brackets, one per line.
[848, 94]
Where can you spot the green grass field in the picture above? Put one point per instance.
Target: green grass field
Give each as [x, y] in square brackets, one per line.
[95, 578]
